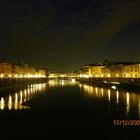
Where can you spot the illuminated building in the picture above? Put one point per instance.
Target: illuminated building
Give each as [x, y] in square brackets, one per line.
[131, 71]
[113, 71]
[5, 68]
[21, 70]
[91, 71]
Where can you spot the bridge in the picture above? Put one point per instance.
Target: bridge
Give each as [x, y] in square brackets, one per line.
[62, 76]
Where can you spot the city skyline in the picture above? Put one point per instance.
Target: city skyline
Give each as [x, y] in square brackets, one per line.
[63, 35]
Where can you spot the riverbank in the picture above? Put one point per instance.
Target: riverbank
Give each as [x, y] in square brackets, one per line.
[120, 83]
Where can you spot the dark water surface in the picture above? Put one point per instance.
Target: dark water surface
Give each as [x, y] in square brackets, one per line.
[66, 109]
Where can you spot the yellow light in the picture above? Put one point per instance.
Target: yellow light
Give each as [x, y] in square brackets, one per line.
[102, 75]
[117, 75]
[10, 102]
[109, 94]
[117, 94]
[1, 75]
[62, 82]
[16, 102]
[84, 76]
[127, 102]
[127, 75]
[2, 103]
[73, 80]
[9, 75]
[108, 75]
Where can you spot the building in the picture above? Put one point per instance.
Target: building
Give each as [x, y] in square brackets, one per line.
[113, 71]
[131, 71]
[21, 70]
[5, 68]
[92, 70]
[18, 71]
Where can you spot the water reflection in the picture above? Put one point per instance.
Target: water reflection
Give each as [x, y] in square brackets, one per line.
[117, 96]
[14, 101]
[10, 103]
[127, 103]
[108, 94]
[128, 100]
[2, 103]
[54, 83]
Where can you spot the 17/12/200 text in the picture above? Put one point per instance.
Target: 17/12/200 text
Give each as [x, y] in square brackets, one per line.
[126, 122]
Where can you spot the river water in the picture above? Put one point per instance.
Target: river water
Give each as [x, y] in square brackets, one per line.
[62, 105]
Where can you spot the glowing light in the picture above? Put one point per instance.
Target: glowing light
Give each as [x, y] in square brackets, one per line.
[21, 76]
[108, 75]
[116, 83]
[10, 102]
[114, 87]
[127, 75]
[62, 82]
[73, 80]
[96, 89]
[117, 94]
[16, 76]
[16, 102]
[102, 75]
[1, 75]
[84, 76]
[109, 94]
[25, 95]
[88, 89]
[10, 75]
[127, 102]
[2, 103]
[102, 92]
[21, 98]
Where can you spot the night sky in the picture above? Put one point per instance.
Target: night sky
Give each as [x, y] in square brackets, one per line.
[65, 34]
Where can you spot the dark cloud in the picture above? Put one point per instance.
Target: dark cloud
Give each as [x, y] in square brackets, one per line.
[64, 34]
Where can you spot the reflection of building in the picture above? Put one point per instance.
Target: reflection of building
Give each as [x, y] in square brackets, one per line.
[5, 68]
[15, 101]
[131, 71]
[91, 71]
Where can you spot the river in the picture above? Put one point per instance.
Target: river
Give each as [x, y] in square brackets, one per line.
[73, 108]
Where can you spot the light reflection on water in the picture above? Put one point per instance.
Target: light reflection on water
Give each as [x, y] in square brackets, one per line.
[129, 99]
[14, 101]
[54, 83]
